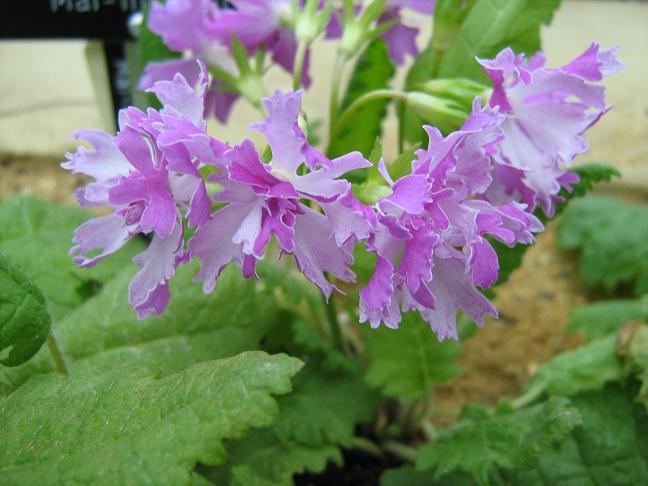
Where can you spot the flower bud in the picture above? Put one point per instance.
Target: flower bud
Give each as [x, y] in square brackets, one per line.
[446, 114]
[461, 91]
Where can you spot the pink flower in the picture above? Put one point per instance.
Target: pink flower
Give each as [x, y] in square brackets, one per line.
[267, 199]
[430, 240]
[147, 174]
[547, 110]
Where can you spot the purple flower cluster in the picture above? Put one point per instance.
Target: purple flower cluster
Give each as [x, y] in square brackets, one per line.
[430, 237]
[201, 30]
[546, 110]
[431, 234]
[204, 31]
[148, 174]
[400, 38]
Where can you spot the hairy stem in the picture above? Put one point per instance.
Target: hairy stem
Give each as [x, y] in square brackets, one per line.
[528, 397]
[367, 446]
[405, 452]
[334, 102]
[300, 57]
[362, 100]
[334, 323]
[57, 355]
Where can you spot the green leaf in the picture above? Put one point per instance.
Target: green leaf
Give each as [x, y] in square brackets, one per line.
[489, 27]
[465, 30]
[512, 440]
[125, 425]
[196, 326]
[24, 320]
[589, 174]
[637, 354]
[587, 368]
[408, 361]
[609, 448]
[612, 240]
[325, 408]
[601, 318]
[261, 459]
[37, 236]
[373, 71]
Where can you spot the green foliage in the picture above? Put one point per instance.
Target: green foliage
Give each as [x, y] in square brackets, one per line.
[261, 459]
[600, 318]
[587, 368]
[609, 447]
[313, 344]
[481, 28]
[373, 71]
[408, 361]
[325, 408]
[589, 174]
[611, 236]
[37, 236]
[195, 327]
[126, 425]
[489, 27]
[24, 320]
[512, 439]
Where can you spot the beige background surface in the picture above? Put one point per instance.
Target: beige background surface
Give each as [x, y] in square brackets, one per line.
[48, 90]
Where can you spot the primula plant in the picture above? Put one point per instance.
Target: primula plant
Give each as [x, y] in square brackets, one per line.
[320, 272]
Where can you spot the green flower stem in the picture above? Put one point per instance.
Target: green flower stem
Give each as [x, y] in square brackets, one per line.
[57, 355]
[405, 452]
[528, 397]
[358, 103]
[302, 47]
[367, 446]
[334, 323]
[334, 101]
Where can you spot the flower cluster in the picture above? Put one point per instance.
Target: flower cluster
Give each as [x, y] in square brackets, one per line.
[431, 233]
[199, 29]
[430, 237]
[149, 173]
[546, 110]
[399, 37]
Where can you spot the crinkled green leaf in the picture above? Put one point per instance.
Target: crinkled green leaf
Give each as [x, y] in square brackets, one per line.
[612, 238]
[512, 440]
[600, 318]
[586, 368]
[37, 236]
[124, 425]
[408, 361]
[325, 407]
[638, 357]
[609, 448]
[195, 327]
[373, 71]
[589, 174]
[260, 458]
[24, 319]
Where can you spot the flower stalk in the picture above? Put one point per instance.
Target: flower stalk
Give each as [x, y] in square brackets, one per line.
[57, 355]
